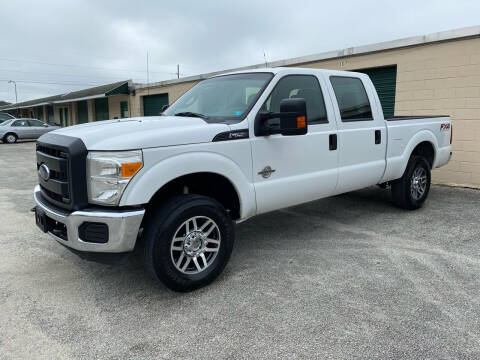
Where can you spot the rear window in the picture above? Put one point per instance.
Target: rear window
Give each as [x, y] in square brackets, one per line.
[35, 123]
[352, 99]
[4, 117]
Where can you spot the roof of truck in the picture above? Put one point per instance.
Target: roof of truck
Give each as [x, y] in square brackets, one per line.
[291, 70]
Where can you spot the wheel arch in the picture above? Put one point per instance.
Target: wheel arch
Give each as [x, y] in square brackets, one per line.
[422, 143]
[208, 184]
[10, 133]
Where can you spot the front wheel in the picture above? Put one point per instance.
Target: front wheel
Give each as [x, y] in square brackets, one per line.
[188, 241]
[411, 190]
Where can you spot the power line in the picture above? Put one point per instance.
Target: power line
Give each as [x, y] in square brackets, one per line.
[54, 83]
[83, 66]
[62, 74]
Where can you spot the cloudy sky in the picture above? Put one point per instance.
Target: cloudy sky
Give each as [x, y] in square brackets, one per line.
[52, 47]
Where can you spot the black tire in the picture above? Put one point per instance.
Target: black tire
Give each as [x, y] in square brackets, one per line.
[10, 138]
[163, 224]
[402, 188]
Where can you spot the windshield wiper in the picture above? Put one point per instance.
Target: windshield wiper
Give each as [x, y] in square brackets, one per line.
[191, 114]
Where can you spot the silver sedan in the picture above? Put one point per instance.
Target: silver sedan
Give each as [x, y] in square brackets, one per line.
[14, 129]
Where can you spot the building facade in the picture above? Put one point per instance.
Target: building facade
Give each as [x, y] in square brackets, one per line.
[435, 74]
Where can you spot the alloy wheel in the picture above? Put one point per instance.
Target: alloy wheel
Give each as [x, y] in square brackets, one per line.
[195, 245]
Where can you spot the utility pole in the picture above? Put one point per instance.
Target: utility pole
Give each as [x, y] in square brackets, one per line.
[148, 79]
[16, 97]
[178, 71]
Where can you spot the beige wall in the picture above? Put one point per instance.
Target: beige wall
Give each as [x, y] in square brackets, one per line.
[114, 105]
[91, 110]
[436, 79]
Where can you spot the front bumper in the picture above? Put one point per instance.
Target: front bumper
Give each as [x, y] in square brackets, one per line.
[123, 226]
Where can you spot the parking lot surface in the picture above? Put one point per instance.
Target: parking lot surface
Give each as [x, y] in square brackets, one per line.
[345, 277]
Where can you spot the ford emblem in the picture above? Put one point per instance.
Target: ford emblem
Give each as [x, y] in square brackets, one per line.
[44, 172]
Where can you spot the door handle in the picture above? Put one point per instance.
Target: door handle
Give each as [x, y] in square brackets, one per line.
[378, 136]
[332, 142]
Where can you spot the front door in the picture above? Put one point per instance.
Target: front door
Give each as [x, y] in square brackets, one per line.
[37, 128]
[361, 134]
[288, 170]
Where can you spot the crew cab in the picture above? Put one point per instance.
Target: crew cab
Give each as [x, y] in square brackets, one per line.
[232, 147]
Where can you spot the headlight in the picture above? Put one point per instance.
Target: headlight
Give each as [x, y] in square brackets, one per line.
[108, 174]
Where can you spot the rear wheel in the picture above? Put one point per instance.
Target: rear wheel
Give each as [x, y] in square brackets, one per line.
[188, 241]
[411, 190]
[10, 138]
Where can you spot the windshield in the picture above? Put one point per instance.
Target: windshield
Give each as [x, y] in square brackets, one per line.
[228, 97]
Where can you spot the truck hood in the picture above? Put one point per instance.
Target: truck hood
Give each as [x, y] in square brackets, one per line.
[143, 132]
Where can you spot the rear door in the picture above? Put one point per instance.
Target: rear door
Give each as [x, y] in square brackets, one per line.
[22, 129]
[361, 132]
[288, 170]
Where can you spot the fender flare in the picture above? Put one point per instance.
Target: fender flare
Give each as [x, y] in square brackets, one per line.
[396, 165]
[147, 182]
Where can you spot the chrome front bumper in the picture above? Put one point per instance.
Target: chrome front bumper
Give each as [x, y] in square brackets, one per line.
[123, 226]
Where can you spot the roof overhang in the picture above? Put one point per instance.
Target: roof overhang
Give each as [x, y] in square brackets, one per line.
[78, 99]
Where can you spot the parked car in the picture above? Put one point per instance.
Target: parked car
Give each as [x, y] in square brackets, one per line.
[13, 129]
[232, 147]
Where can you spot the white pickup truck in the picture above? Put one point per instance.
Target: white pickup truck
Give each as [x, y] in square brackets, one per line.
[232, 147]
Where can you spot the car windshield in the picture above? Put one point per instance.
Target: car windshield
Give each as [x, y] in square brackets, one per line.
[228, 97]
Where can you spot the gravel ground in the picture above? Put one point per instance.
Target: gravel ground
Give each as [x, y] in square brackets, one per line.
[345, 277]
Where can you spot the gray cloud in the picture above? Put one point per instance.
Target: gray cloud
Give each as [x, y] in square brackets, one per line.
[77, 44]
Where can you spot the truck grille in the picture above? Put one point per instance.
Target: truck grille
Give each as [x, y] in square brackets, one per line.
[65, 159]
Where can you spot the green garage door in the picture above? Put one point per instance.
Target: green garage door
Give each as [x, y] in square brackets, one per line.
[101, 109]
[82, 112]
[152, 104]
[384, 79]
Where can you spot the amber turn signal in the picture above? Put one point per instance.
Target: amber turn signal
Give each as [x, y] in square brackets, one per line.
[301, 122]
[130, 169]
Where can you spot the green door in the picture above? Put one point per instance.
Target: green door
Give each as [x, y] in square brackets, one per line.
[51, 119]
[64, 121]
[101, 109]
[123, 109]
[384, 79]
[82, 112]
[152, 104]
[40, 112]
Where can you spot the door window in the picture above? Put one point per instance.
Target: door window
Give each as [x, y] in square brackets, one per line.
[298, 86]
[352, 98]
[20, 123]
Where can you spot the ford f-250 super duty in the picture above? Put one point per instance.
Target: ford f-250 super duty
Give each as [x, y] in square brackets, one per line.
[232, 147]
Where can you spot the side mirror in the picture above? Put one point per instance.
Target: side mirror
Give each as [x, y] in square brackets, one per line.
[164, 107]
[293, 117]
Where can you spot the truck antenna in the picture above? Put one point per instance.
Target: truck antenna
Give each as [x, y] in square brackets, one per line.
[265, 58]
